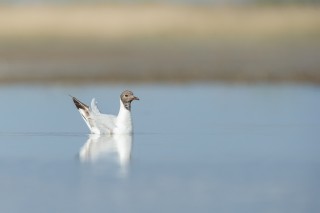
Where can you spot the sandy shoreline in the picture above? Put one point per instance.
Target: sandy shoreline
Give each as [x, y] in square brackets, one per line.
[270, 62]
[109, 22]
[163, 43]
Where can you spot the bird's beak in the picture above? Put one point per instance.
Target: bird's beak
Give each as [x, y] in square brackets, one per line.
[135, 98]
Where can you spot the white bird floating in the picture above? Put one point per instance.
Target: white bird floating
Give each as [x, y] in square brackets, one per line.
[99, 123]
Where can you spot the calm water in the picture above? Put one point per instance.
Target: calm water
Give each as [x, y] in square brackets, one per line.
[197, 148]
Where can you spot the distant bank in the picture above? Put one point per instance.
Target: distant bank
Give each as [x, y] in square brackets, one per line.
[159, 43]
[164, 62]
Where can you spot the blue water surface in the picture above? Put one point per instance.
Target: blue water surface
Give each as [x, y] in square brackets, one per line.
[196, 148]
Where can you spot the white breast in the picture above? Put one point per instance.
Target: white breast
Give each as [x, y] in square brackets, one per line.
[123, 121]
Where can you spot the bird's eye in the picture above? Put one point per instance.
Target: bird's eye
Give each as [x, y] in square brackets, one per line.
[126, 95]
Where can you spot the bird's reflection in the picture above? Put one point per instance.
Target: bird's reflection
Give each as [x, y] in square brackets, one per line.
[100, 147]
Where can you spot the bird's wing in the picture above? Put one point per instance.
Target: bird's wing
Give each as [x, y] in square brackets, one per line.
[84, 111]
[94, 107]
[97, 122]
[103, 122]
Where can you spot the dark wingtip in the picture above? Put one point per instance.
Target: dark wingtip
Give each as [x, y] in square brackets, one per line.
[79, 104]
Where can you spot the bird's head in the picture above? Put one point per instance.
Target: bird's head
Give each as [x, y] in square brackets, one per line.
[127, 97]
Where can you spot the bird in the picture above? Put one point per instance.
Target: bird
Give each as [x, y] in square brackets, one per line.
[102, 124]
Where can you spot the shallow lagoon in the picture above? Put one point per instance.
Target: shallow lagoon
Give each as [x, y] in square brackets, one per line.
[196, 148]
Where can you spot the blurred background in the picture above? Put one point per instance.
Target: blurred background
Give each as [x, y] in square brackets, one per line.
[228, 117]
[80, 41]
